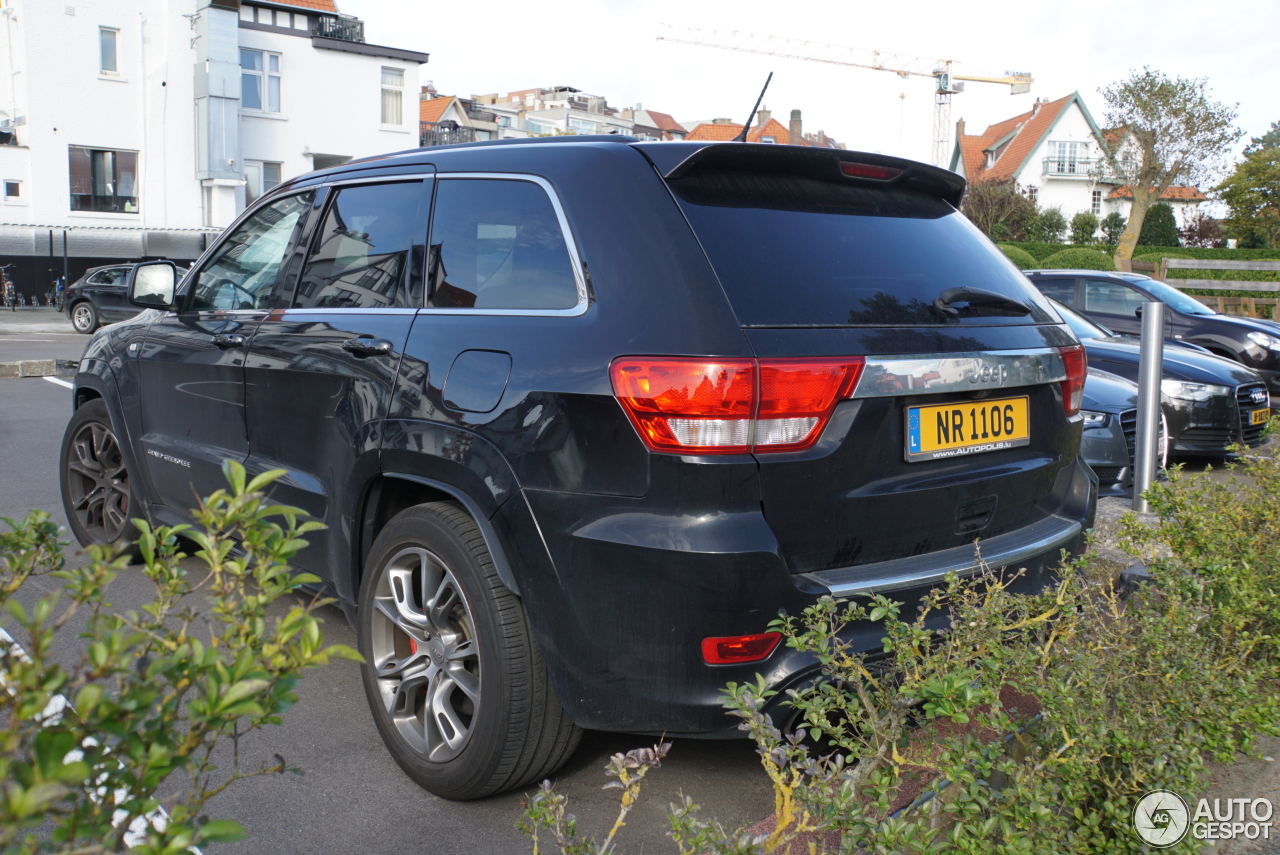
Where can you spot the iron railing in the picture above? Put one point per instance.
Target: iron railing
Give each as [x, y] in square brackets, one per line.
[444, 133]
[344, 29]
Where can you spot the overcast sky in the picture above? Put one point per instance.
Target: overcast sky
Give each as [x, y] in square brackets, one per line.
[609, 48]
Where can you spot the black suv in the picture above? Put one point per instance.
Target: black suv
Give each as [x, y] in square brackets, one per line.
[99, 297]
[1115, 301]
[582, 416]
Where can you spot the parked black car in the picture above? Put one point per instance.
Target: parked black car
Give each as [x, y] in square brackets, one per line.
[582, 415]
[1110, 412]
[99, 297]
[1209, 402]
[1115, 301]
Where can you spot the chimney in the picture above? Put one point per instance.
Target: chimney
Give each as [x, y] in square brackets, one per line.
[722, 121]
[1035, 108]
[960, 128]
[795, 135]
[429, 89]
[762, 117]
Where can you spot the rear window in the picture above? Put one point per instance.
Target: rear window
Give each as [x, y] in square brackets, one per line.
[797, 251]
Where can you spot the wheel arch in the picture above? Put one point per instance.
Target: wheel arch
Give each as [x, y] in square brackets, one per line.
[392, 492]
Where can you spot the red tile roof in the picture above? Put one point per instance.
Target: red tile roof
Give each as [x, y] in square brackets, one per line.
[1173, 194]
[1029, 134]
[723, 133]
[973, 154]
[431, 111]
[317, 5]
[664, 121]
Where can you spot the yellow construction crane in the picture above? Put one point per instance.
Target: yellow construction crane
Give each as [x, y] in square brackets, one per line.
[946, 81]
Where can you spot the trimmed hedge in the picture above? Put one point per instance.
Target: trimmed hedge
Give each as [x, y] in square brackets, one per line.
[1020, 257]
[1044, 250]
[1085, 259]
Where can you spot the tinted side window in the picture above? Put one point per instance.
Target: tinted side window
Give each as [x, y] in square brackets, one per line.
[1062, 290]
[114, 276]
[1111, 298]
[360, 253]
[243, 269]
[497, 244]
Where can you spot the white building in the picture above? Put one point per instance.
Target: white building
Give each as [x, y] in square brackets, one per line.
[138, 127]
[1054, 154]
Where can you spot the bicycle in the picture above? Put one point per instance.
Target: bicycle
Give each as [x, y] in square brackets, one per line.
[10, 292]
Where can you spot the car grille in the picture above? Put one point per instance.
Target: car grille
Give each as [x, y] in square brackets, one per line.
[1213, 437]
[1250, 435]
[1129, 424]
[1108, 476]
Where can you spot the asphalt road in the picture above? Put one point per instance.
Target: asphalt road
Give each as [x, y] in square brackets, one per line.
[38, 333]
[352, 797]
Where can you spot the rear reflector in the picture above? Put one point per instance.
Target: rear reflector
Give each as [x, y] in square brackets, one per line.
[731, 406]
[1073, 387]
[868, 170]
[736, 649]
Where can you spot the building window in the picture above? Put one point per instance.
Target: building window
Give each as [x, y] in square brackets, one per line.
[1033, 193]
[539, 128]
[392, 96]
[259, 80]
[259, 178]
[1068, 155]
[104, 180]
[581, 126]
[13, 191]
[108, 60]
[1097, 203]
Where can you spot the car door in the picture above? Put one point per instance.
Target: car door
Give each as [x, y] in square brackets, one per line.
[191, 366]
[1114, 305]
[321, 366]
[109, 295]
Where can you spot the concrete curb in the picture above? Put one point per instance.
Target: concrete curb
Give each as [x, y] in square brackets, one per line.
[37, 368]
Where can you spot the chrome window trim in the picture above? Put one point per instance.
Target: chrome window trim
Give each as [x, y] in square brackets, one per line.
[895, 376]
[402, 178]
[575, 260]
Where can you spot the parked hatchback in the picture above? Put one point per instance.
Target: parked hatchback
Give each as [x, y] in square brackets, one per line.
[582, 416]
[1115, 300]
[99, 297]
[1208, 401]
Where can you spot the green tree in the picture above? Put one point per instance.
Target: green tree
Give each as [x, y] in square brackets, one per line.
[999, 209]
[1271, 139]
[1159, 228]
[1050, 225]
[1173, 133]
[1112, 227]
[1084, 226]
[1252, 194]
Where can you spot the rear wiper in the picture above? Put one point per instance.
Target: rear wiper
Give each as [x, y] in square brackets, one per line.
[964, 294]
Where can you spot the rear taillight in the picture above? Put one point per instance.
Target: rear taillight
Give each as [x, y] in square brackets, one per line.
[1073, 387]
[731, 406]
[736, 649]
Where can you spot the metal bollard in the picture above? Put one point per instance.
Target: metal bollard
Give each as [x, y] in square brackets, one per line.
[1150, 371]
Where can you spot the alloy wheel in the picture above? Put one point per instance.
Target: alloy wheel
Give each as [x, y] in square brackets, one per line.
[82, 317]
[425, 657]
[98, 482]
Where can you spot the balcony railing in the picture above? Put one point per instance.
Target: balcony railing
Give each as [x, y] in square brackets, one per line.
[344, 29]
[444, 133]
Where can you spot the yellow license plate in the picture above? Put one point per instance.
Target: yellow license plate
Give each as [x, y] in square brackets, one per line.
[1259, 417]
[969, 427]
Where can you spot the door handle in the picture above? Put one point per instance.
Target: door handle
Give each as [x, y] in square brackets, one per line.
[227, 340]
[367, 346]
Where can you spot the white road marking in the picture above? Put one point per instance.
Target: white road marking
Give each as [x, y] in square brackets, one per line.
[59, 381]
[137, 833]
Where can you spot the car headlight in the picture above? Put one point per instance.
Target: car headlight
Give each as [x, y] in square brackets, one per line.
[1093, 420]
[1192, 391]
[1264, 340]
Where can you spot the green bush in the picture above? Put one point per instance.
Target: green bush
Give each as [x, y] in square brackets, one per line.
[1049, 226]
[1159, 228]
[1084, 259]
[1084, 226]
[1112, 227]
[154, 691]
[1042, 250]
[1020, 257]
[1134, 691]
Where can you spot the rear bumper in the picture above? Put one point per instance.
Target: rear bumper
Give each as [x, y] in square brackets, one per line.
[628, 593]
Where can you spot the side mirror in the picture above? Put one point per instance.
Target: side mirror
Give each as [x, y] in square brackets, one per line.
[153, 284]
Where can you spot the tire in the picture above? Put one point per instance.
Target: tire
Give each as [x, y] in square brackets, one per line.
[84, 317]
[454, 677]
[96, 491]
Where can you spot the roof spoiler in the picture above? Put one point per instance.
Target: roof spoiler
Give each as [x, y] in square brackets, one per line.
[674, 160]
